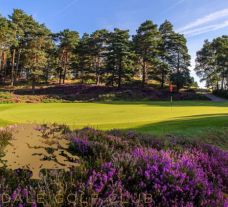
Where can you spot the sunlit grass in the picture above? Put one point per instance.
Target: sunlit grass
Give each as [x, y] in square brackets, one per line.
[150, 117]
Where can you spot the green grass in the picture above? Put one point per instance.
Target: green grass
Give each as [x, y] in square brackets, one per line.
[186, 117]
[203, 120]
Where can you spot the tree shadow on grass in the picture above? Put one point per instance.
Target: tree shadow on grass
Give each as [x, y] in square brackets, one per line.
[210, 129]
[188, 125]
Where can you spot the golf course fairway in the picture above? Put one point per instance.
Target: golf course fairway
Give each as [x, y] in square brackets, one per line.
[185, 117]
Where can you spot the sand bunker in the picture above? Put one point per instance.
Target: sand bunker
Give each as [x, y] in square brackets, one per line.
[31, 149]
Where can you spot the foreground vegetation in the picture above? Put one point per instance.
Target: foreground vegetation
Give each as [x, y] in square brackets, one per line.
[128, 169]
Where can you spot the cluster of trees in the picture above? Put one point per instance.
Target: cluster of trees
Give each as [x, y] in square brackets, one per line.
[212, 63]
[30, 50]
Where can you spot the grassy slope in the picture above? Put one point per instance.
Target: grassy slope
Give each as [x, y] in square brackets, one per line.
[152, 117]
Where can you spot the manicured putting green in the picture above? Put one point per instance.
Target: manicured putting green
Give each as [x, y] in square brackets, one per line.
[185, 117]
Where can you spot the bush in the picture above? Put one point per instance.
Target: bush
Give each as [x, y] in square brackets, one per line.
[172, 172]
[169, 178]
[221, 93]
[5, 137]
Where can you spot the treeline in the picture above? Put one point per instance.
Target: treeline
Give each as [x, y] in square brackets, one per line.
[29, 50]
[212, 63]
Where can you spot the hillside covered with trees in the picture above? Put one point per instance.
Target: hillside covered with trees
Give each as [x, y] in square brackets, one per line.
[29, 51]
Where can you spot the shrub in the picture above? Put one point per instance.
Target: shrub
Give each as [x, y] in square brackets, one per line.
[5, 137]
[80, 146]
[170, 178]
[221, 93]
[174, 172]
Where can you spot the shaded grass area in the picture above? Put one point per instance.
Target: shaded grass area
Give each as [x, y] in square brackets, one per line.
[187, 125]
[210, 129]
[202, 119]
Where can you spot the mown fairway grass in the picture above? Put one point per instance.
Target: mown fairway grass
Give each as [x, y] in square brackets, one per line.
[186, 117]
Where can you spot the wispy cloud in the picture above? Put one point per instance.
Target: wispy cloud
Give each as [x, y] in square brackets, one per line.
[205, 29]
[176, 4]
[179, 2]
[205, 20]
[67, 6]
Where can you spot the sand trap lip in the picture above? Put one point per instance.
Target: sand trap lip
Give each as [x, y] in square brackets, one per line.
[29, 149]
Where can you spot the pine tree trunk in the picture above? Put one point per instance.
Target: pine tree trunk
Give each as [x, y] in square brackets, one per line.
[64, 75]
[162, 80]
[82, 74]
[119, 81]
[120, 75]
[178, 62]
[1, 64]
[4, 65]
[65, 68]
[226, 81]
[0, 60]
[12, 69]
[98, 80]
[47, 74]
[223, 80]
[178, 71]
[17, 64]
[60, 76]
[144, 74]
[112, 79]
[97, 72]
[33, 85]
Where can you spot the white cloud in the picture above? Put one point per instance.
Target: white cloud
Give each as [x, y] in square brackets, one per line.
[205, 29]
[204, 20]
[174, 5]
[67, 6]
[177, 3]
[180, 1]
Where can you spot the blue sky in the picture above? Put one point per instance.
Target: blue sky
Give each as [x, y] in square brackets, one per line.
[197, 19]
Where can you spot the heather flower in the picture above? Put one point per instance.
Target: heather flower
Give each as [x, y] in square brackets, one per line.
[99, 180]
[170, 177]
[80, 145]
[215, 163]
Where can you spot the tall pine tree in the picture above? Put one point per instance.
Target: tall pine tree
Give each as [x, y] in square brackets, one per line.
[98, 51]
[68, 41]
[146, 43]
[181, 62]
[119, 57]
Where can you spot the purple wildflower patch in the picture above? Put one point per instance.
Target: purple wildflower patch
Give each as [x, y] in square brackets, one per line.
[80, 145]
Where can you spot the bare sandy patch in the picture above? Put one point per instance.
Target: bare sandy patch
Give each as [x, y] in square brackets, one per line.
[32, 149]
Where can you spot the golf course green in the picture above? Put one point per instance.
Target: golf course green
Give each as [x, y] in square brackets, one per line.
[185, 117]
